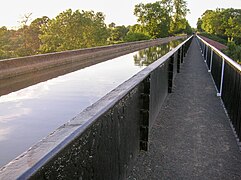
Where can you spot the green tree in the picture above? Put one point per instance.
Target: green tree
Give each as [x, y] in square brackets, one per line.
[163, 18]
[225, 23]
[188, 29]
[231, 24]
[199, 25]
[34, 32]
[136, 33]
[118, 33]
[135, 36]
[27, 37]
[154, 17]
[210, 22]
[180, 10]
[5, 43]
[74, 30]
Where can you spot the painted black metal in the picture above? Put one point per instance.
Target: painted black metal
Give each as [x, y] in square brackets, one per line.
[108, 137]
[175, 64]
[178, 60]
[204, 52]
[170, 74]
[144, 121]
[159, 90]
[217, 70]
[182, 54]
[208, 57]
[230, 95]
[104, 150]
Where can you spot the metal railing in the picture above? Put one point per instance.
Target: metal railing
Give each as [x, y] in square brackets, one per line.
[226, 74]
[102, 140]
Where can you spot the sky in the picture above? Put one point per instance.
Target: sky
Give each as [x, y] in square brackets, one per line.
[118, 11]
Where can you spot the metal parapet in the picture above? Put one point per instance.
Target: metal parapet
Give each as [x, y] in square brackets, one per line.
[102, 140]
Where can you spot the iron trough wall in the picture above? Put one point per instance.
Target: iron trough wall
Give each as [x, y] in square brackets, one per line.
[17, 66]
[101, 141]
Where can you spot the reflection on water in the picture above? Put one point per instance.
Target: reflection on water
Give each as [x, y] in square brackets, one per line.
[27, 114]
[149, 55]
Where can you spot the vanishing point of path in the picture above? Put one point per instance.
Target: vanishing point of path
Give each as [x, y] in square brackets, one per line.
[192, 137]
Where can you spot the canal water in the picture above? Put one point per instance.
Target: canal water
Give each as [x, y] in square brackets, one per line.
[36, 108]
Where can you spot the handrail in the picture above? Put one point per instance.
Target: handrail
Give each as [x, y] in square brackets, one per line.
[226, 58]
[226, 74]
[72, 137]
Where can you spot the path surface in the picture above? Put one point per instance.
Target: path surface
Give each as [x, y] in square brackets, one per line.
[192, 138]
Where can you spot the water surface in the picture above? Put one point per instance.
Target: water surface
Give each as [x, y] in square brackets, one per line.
[36, 108]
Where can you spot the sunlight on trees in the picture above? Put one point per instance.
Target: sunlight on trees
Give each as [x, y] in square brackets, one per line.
[223, 24]
[73, 30]
[163, 18]
[82, 29]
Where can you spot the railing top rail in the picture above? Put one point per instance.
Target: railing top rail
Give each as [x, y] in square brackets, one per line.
[29, 162]
[224, 56]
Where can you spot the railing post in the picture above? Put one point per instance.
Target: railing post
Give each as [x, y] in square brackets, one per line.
[182, 54]
[200, 44]
[144, 122]
[178, 60]
[204, 48]
[170, 74]
[221, 82]
[185, 49]
[206, 55]
[211, 61]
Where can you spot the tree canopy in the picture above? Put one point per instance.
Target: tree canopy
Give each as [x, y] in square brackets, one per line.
[81, 29]
[74, 30]
[162, 18]
[225, 23]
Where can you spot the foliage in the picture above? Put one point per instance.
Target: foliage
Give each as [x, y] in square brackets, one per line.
[136, 33]
[117, 33]
[163, 18]
[135, 36]
[74, 30]
[154, 17]
[5, 45]
[80, 29]
[199, 25]
[22, 42]
[224, 26]
[234, 51]
[179, 23]
[225, 23]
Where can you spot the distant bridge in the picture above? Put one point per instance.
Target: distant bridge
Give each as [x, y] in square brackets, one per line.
[179, 118]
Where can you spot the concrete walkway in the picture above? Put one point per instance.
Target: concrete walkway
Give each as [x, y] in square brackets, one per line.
[192, 138]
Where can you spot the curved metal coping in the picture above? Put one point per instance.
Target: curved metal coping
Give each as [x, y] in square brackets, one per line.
[32, 160]
[225, 57]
